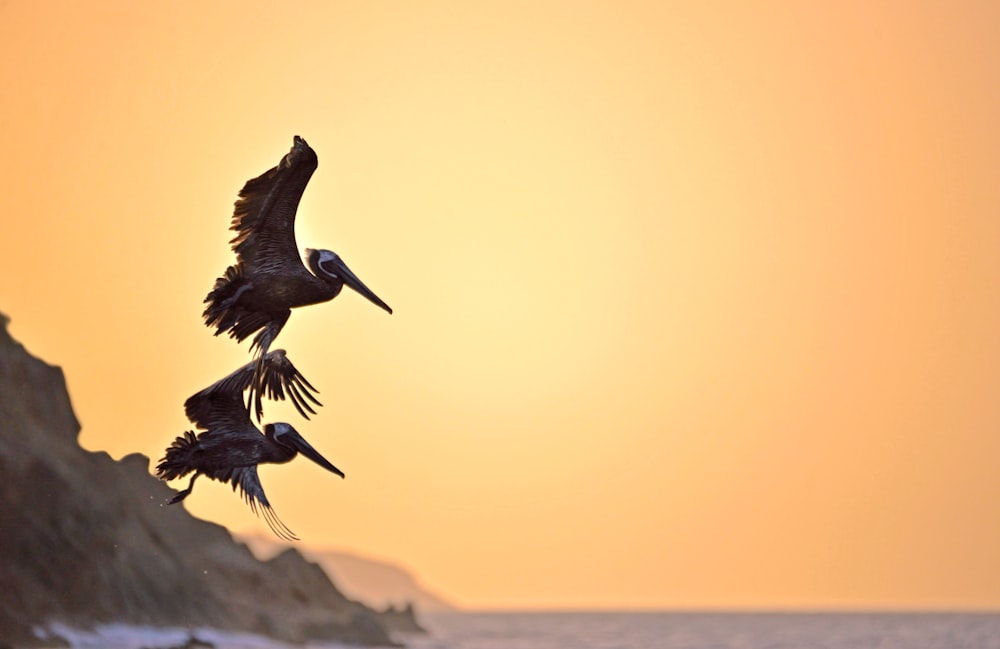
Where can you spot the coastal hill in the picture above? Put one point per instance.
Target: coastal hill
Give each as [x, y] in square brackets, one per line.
[376, 583]
[88, 540]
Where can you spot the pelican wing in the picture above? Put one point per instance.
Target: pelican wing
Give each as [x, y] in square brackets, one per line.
[221, 404]
[246, 479]
[280, 378]
[221, 414]
[264, 216]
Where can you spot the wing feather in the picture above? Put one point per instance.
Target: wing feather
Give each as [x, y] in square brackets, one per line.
[218, 411]
[248, 482]
[220, 406]
[264, 214]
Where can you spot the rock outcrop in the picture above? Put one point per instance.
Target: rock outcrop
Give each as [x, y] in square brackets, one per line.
[377, 583]
[85, 539]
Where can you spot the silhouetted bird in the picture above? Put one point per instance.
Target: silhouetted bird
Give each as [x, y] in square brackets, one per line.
[229, 447]
[256, 294]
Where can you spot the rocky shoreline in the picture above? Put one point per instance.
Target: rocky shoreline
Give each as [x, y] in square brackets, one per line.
[86, 540]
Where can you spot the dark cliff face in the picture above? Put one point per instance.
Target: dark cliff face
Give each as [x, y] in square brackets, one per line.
[85, 539]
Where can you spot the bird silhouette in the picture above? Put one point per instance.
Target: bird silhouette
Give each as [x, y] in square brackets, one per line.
[255, 296]
[229, 447]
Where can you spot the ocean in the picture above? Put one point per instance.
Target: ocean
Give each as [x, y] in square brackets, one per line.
[627, 631]
[711, 631]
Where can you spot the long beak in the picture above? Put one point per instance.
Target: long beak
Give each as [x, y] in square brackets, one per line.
[352, 280]
[303, 447]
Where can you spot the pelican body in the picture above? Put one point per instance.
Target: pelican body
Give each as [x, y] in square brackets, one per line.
[229, 447]
[257, 293]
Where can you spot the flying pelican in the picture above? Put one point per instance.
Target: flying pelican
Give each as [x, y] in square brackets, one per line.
[268, 280]
[229, 447]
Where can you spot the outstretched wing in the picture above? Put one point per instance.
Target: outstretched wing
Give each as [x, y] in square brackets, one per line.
[220, 413]
[253, 493]
[279, 377]
[223, 401]
[264, 216]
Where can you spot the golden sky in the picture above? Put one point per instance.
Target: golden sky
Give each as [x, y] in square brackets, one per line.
[695, 303]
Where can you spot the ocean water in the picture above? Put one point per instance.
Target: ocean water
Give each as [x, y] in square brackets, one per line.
[625, 631]
[710, 631]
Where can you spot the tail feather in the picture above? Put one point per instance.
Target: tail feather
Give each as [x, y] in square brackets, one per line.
[223, 311]
[226, 314]
[177, 462]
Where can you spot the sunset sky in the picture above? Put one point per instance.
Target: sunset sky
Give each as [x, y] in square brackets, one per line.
[695, 303]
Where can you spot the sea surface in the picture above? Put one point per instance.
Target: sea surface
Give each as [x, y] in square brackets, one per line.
[710, 631]
[626, 631]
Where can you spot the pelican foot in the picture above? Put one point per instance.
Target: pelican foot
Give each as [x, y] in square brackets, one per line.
[181, 495]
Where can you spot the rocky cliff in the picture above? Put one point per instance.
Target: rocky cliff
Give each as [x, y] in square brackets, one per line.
[85, 539]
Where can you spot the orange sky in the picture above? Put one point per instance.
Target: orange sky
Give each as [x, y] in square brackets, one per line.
[695, 304]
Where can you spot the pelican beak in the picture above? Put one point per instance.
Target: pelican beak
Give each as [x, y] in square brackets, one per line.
[303, 447]
[352, 280]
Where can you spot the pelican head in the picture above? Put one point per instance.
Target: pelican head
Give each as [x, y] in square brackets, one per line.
[328, 265]
[290, 438]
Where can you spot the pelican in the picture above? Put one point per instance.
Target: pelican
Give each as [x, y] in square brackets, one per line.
[257, 293]
[229, 447]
